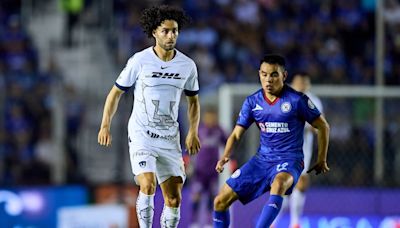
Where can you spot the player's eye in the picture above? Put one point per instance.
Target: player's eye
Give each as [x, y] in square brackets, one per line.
[274, 74]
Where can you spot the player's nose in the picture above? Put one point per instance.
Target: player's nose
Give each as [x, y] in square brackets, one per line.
[268, 81]
[171, 35]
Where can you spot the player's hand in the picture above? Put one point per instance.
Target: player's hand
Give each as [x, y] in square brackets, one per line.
[319, 167]
[192, 143]
[220, 164]
[104, 138]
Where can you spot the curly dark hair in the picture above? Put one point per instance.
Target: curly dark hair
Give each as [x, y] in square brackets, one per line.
[153, 17]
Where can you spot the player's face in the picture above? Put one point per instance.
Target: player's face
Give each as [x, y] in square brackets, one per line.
[166, 34]
[210, 119]
[301, 84]
[272, 77]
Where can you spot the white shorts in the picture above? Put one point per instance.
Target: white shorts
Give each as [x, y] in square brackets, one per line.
[307, 150]
[165, 163]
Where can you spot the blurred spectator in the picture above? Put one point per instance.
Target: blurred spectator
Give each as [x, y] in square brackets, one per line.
[72, 10]
[392, 12]
[24, 103]
[205, 178]
[74, 117]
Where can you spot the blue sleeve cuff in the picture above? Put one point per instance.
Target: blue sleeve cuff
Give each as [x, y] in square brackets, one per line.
[122, 87]
[190, 93]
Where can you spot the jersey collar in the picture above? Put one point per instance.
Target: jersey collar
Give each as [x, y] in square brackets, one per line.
[268, 100]
[277, 97]
[156, 56]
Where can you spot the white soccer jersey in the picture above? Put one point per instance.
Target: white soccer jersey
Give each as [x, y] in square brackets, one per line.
[158, 86]
[309, 135]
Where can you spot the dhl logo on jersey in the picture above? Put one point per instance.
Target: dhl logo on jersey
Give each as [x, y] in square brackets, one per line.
[165, 75]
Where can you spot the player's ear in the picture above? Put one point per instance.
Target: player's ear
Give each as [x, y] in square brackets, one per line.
[154, 33]
[285, 74]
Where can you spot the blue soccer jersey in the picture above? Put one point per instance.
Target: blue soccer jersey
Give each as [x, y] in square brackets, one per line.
[281, 122]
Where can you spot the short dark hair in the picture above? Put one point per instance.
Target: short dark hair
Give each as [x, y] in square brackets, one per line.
[152, 17]
[302, 74]
[274, 59]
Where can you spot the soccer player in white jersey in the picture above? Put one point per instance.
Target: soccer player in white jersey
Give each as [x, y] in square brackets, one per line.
[158, 75]
[302, 83]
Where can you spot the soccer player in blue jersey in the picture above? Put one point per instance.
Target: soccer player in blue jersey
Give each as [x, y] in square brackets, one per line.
[280, 113]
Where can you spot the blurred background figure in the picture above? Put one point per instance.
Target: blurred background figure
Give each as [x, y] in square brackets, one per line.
[72, 10]
[204, 181]
[301, 82]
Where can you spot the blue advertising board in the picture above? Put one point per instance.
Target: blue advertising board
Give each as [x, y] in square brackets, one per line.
[37, 207]
[343, 221]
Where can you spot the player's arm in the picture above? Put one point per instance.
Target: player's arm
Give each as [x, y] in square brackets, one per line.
[192, 141]
[231, 143]
[323, 129]
[110, 107]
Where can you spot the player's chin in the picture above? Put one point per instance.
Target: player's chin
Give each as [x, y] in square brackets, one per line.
[268, 90]
[169, 46]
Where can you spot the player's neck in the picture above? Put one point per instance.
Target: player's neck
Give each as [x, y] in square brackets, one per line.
[270, 96]
[163, 54]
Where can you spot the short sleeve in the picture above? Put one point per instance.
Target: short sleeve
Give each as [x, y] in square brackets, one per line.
[245, 118]
[129, 74]
[307, 109]
[192, 84]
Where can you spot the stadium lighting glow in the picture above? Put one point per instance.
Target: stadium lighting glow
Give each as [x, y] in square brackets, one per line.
[33, 201]
[13, 204]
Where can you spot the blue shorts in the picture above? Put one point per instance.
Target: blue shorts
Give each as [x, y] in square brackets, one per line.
[256, 176]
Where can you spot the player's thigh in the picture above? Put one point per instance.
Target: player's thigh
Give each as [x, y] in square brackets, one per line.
[303, 183]
[170, 164]
[251, 180]
[284, 173]
[143, 160]
[281, 183]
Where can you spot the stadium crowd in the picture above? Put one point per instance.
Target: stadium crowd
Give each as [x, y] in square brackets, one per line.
[332, 40]
[26, 104]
